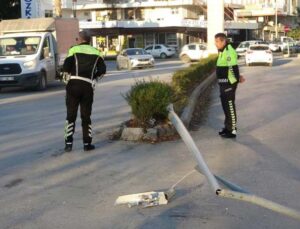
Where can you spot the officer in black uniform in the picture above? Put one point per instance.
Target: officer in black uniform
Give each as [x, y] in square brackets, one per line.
[228, 78]
[82, 67]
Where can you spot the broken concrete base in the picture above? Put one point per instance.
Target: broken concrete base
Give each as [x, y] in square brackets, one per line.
[151, 135]
[146, 199]
[160, 132]
[166, 131]
[132, 134]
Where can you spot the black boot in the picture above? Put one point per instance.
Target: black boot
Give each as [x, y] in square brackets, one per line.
[228, 134]
[88, 147]
[68, 147]
[223, 131]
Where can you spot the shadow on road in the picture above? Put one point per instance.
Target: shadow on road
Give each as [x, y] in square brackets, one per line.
[10, 92]
[281, 61]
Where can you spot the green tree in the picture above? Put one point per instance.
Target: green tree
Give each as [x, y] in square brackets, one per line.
[295, 34]
[10, 9]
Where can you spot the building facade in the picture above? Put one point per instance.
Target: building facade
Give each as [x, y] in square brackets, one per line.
[268, 12]
[118, 24]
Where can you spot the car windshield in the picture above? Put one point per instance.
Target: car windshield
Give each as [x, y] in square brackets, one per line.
[244, 45]
[259, 48]
[287, 39]
[262, 42]
[132, 52]
[15, 46]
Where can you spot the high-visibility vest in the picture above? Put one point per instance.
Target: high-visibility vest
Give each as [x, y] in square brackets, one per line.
[228, 58]
[85, 49]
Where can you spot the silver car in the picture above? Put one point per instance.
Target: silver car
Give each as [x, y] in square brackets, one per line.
[134, 58]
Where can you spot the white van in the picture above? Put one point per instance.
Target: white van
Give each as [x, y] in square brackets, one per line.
[27, 60]
[31, 50]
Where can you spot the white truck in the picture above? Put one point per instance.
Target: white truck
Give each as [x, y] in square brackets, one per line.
[32, 50]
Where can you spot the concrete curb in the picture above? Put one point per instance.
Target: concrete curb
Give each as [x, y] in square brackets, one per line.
[187, 113]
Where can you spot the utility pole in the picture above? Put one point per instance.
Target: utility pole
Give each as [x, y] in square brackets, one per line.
[74, 2]
[276, 20]
[57, 8]
[215, 22]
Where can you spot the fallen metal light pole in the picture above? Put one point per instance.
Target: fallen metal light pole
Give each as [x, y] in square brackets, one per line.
[236, 192]
[193, 149]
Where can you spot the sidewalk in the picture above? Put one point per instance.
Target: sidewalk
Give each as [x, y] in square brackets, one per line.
[78, 190]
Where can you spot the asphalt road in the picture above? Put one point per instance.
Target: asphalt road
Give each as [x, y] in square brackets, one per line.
[42, 188]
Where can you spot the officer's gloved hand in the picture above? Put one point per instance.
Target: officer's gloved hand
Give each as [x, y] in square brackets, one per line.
[65, 77]
[94, 84]
[100, 77]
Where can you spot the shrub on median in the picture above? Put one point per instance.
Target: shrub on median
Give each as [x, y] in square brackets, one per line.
[148, 100]
[185, 80]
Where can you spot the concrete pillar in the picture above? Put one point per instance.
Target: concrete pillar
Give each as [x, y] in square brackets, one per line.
[93, 16]
[215, 22]
[94, 42]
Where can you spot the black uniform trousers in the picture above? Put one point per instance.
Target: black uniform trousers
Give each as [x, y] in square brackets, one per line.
[81, 93]
[227, 95]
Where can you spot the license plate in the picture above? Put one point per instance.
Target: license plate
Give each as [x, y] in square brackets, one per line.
[6, 78]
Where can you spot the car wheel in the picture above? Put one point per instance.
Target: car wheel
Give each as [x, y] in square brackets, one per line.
[185, 59]
[163, 55]
[129, 67]
[42, 84]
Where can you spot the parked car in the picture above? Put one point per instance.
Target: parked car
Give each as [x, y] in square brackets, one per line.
[134, 58]
[193, 52]
[244, 45]
[284, 41]
[259, 53]
[160, 50]
[291, 49]
[274, 46]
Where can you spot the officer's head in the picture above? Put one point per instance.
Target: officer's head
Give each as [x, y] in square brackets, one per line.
[220, 40]
[84, 36]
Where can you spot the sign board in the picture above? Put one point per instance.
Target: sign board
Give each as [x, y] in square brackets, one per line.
[260, 19]
[287, 28]
[29, 9]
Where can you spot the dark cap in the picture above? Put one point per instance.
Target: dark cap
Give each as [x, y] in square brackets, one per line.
[85, 36]
[221, 36]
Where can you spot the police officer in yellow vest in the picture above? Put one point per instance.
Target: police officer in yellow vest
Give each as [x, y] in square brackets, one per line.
[228, 78]
[84, 65]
